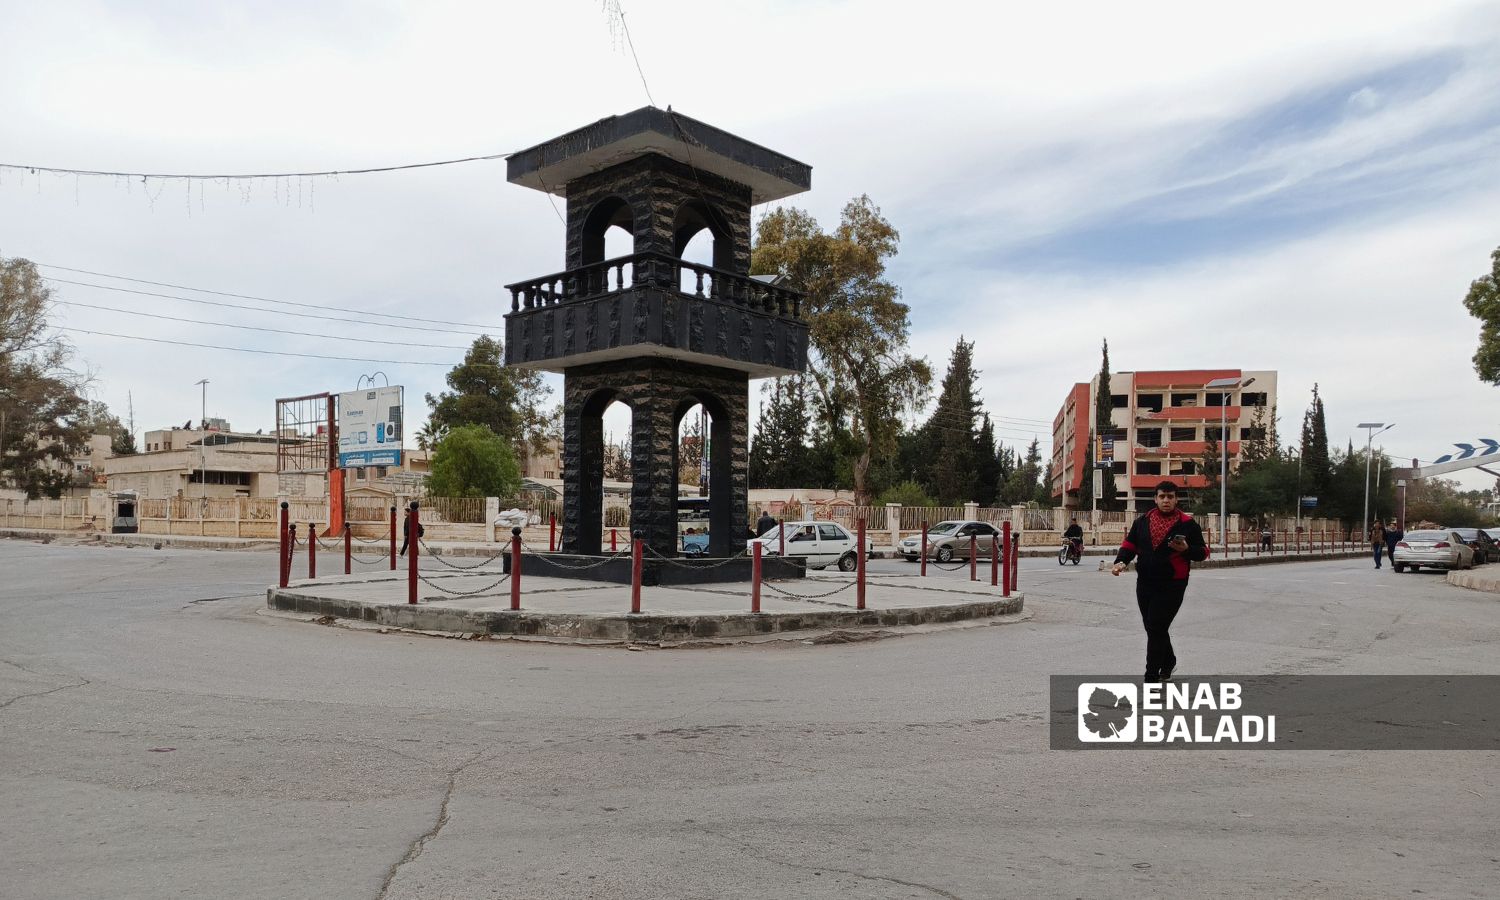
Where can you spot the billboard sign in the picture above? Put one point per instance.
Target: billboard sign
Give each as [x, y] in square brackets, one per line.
[370, 428]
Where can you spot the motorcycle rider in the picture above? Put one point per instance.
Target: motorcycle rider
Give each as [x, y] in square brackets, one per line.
[1074, 536]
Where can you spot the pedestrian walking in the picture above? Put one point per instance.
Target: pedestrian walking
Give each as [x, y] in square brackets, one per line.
[406, 533]
[764, 524]
[1267, 537]
[1377, 539]
[1164, 543]
[1393, 535]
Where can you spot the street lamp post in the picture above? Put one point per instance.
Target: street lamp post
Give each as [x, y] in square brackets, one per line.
[1225, 385]
[1370, 433]
[203, 448]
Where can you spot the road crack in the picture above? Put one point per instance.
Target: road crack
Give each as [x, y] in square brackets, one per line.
[764, 856]
[414, 851]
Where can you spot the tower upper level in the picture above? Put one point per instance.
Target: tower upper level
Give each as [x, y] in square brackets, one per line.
[663, 178]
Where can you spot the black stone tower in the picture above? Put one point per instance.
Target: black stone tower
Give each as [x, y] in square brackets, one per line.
[649, 329]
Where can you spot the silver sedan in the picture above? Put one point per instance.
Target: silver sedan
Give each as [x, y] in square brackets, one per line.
[1433, 548]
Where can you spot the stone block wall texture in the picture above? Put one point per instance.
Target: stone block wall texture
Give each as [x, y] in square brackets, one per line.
[656, 188]
[659, 392]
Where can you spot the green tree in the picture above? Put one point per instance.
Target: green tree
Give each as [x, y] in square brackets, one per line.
[1483, 303]
[43, 414]
[1104, 411]
[484, 391]
[473, 461]
[907, 493]
[1317, 468]
[859, 363]
[987, 477]
[779, 452]
[952, 442]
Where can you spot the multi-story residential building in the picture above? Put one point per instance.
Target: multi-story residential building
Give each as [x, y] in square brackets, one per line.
[1161, 424]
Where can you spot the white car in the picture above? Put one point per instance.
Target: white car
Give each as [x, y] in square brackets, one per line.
[1432, 548]
[822, 544]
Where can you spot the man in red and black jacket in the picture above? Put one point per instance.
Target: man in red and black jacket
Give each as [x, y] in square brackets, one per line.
[1164, 543]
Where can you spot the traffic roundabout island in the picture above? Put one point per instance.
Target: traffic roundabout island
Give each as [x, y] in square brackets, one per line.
[478, 604]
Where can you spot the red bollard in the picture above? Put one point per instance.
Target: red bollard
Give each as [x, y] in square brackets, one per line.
[995, 563]
[1015, 562]
[924, 549]
[414, 549]
[515, 568]
[973, 557]
[348, 549]
[1242, 545]
[552, 533]
[312, 551]
[781, 539]
[754, 580]
[635, 573]
[291, 550]
[282, 572]
[1005, 551]
[614, 546]
[393, 539]
[859, 571]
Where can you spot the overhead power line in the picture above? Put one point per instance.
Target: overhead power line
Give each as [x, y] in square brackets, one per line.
[136, 337]
[60, 170]
[320, 306]
[326, 337]
[278, 312]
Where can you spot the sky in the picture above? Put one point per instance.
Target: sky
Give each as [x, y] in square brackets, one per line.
[1308, 188]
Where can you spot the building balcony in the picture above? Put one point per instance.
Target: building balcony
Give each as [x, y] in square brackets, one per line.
[1184, 448]
[636, 305]
[1192, 413]
[1147, 482]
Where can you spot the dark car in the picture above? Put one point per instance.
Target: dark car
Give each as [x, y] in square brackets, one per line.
[1484, 547]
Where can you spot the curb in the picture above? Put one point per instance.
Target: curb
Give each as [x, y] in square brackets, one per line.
[626, 628]
[1475, 581]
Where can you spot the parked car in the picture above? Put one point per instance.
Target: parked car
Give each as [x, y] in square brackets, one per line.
[822, 544]
[1484, 546]
[1435, 548]
[949, 540]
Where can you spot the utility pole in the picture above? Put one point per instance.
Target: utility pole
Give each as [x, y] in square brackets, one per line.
[203, 447]
[1369, 440]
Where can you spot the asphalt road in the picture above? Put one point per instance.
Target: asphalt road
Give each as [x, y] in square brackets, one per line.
[161, 736]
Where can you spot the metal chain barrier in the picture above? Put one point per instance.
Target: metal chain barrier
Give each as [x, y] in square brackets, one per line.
[372, 561]
[489, 587]
[953, 568]
[539, 557]
[329, 547]
[681, 565]
[377, 540]
[769, 586]
[450, 565]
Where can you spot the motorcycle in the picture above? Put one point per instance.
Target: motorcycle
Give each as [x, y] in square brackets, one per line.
[1071, 552]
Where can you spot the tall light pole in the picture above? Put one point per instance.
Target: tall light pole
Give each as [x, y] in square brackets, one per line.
[202, 446]
[1225, 385]
[1370, 433]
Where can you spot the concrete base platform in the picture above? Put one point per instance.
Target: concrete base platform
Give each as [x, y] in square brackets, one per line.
[1476, 581]
[556, 608]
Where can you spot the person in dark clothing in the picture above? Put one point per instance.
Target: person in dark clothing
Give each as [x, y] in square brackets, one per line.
[1377, 539]
[764, 524]
[1074, 536]
[406, 533]
[1393, 536]
[1164, 543]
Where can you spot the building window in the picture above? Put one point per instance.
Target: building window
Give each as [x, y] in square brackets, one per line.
[1148, 437]
[1249, 398]
[1185, 467]
[380, 471]
[1253, 433]
[1149, 401]
[1185, 399]
[1148, 468]
[1184, 434]
[1119, 401]
[1119, 467]
[1212, 433]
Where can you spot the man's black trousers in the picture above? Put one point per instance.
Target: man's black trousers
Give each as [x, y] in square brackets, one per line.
[1159, 600]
